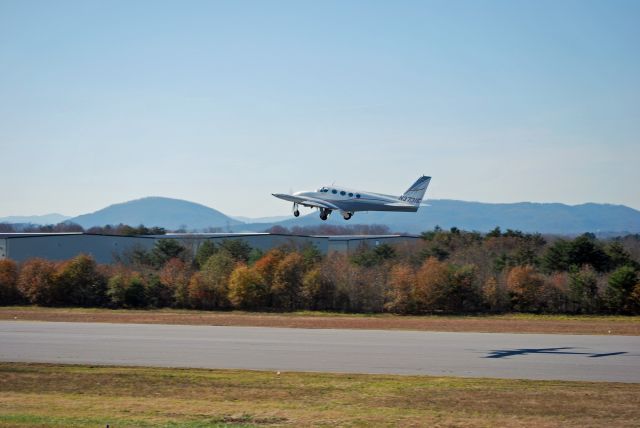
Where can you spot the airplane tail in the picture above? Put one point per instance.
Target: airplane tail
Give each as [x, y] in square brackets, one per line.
[416, 192]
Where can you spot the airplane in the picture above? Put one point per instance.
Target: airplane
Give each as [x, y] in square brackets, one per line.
[348, 202]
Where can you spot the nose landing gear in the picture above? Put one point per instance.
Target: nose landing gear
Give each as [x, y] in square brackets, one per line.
[347, 216]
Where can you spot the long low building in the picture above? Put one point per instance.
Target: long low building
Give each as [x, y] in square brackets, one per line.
[110, 248]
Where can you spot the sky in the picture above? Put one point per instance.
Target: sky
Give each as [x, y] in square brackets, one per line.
[225, 102]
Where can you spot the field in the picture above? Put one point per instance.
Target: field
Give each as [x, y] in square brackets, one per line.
[512, 323]
[79, 396]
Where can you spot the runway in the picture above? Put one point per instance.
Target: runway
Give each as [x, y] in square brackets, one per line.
[497, 355]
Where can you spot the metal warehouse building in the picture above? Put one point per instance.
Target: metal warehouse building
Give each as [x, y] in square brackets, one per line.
[107, 248]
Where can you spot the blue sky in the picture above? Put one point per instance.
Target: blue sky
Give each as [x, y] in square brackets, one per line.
[224, 102]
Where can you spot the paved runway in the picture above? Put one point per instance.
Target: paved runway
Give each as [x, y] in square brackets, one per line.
[526, 356]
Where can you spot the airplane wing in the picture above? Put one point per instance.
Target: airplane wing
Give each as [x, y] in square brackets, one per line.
[307, 202]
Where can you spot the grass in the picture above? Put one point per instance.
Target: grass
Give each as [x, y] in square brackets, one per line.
[85, 396]
[513, 323]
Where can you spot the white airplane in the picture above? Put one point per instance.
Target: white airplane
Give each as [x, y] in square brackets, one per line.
[347, 201]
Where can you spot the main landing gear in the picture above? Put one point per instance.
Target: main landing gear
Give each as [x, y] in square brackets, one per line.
[347, 216]
[324, 213]
[296, 212]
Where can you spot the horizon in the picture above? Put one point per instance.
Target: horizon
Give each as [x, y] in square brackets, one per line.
[234, 216]
[225, 103]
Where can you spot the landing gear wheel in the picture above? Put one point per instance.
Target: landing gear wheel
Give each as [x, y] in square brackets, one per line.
[323, 216]
[296, 213]
[347, 216]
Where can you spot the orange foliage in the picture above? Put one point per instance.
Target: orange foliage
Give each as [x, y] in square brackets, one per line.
[175, 275]
[266, 266]
[431, 284]
[400, 294]
[524, 284]
[287, 282]
[37, 281]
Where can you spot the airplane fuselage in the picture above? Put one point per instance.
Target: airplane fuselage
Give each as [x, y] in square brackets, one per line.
[354, 201]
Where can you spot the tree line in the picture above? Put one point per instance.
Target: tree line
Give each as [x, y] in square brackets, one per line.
[70, 227]
[451, 271]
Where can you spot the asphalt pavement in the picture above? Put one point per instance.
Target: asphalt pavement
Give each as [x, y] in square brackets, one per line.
[496, 355]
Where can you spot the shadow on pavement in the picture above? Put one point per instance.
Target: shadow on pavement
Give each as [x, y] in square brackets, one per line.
[504, 353]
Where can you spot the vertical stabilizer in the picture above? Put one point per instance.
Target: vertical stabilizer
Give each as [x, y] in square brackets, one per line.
[416, 192]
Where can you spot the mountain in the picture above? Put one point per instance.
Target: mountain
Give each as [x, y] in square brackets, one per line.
[552, 218]
[35, 219]
[169, 213]
[273, 219]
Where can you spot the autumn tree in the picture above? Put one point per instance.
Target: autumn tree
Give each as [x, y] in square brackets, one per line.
[287, 281]
[247, 289]
[210, 287]
[634, 300]
[553, 295]
[317, 291]
[9, 293]
[175, 275]
[337, 269]
[266, 266]
[400, 296]
[79, 283]
[495, 294]
[524, 284]
[432, 280]
[36, 282]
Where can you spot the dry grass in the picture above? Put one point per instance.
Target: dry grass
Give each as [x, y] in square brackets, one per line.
[514, 323]
[48, 395]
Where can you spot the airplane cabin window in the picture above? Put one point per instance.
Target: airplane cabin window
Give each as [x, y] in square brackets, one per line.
[343, 193]
[351, 195]
[334, 191]
[357, 195]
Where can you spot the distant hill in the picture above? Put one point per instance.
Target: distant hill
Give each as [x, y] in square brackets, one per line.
[35, 219]
[552, 218]
[169, 213]
[273, 219]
